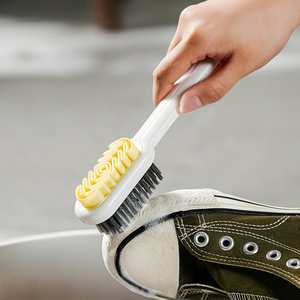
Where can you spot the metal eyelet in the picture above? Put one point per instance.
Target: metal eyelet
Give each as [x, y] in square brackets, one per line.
[293, 263]
[201, 239]
[226, 243]
[250, 248]
[273, 255]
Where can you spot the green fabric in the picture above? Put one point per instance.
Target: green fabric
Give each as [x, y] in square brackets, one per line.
[233, 271]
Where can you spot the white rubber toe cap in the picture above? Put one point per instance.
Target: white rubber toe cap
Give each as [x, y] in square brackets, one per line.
[151, 259]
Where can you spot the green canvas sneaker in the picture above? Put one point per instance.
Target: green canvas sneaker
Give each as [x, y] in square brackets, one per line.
[203, 244]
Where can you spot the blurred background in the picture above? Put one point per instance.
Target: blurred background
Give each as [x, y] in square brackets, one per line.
[77, 75]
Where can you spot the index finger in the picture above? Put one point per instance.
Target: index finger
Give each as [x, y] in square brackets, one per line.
[171, 68]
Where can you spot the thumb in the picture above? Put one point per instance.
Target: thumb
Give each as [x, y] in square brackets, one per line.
[211, 89]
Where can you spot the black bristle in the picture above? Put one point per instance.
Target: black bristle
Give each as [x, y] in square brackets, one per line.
[130, 207]
[101, 227]
[156, 171]
[145, 186]
[138, 198]
[148, 181]
[134, 202]
[126, 212]
[141, 188]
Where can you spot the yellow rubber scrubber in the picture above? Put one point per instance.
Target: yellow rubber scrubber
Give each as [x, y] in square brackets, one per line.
[107, 173]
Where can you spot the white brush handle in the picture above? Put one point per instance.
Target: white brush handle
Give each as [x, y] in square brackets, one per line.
[166, 112]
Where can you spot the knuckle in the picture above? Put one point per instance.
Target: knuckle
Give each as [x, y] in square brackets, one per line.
[193, 27]
[161, 71]
[194, 37]
[158, 74]
[216, 90]
[187, 13]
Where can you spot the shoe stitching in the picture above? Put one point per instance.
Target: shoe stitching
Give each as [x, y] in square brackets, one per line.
[237, 296]
[194, 228]
[182, 227]
[270, 226]
[232, 296]
[240, 232]
[204, 225]
[205, 296]
[194, 291]
[183, 294]
[200, 222]
[218, 257]
[251, 226]
[204, 222]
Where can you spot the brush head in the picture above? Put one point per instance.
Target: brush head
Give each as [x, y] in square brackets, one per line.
[115, 191]
[133, 203]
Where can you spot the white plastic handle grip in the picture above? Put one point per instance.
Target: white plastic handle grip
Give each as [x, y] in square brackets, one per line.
[166, 112]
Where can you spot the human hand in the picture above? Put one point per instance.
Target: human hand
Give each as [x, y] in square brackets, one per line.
[241, 35]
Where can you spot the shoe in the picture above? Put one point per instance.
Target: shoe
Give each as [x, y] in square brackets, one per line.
[203, 244]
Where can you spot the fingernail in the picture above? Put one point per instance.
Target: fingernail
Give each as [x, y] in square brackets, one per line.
[190, 104]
